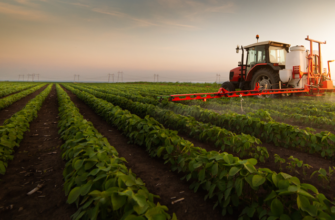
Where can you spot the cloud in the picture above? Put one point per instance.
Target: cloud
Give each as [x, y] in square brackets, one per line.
[21, 12]
[140, 22]
[178, 25]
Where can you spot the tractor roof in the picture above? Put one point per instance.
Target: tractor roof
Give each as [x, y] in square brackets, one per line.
[271, 43]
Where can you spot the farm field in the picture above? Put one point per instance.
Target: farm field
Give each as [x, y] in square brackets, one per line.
[117, 151]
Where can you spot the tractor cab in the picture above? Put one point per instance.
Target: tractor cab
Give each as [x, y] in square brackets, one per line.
[263, 62]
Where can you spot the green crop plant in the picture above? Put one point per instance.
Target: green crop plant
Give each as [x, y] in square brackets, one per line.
[304, 167]
[280, 160]
[322, 175]
[325, 177]
[293, 163]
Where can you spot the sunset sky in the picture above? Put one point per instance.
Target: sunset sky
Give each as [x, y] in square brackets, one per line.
[180, 40]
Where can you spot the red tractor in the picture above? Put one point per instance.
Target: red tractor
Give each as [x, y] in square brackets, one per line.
[264, 60]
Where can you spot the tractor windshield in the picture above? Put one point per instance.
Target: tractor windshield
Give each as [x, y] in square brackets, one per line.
[277, 55]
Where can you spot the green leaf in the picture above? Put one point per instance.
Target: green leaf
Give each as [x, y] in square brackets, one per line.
[303, 203]
[277, 207]
[140, 199]
[284, 217]
[78, 164]
[233, 171]
[238, 186]
[202, 174]
[250, 168]
[84, 189]
[257, 180]
[215, 169]
[272, 195]
[74, 194]
[169, 148]
[118, 201]
[2, 168]
[159, 151]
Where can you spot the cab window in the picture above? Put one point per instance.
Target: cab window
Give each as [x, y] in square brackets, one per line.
[256, 55]
[277, 55]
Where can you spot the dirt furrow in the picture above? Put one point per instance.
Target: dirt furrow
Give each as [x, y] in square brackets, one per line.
[37, 161]
[159, 179]
[17, 106]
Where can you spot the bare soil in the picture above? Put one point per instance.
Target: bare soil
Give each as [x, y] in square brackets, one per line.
[159, 179]
[37, 161]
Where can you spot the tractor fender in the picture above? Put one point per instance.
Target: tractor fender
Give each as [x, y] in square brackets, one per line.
[259, 66]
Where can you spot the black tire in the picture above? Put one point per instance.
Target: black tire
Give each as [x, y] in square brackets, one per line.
[228, 86]
[266, 76]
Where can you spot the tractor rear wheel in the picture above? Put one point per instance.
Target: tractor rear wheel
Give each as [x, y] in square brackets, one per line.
[228, 86]
[267, 79]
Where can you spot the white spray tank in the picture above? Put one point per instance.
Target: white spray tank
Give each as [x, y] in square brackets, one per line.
[296, 57]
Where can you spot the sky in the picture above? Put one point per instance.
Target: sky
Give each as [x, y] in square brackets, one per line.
[180, 40]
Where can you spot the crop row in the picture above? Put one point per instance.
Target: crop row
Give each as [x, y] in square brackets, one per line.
[96, 178]
[14, 88]
[284, 107]
[307, 120]
[230, 181]
[312, 103]
[244, 145]
[11, 133]
[280, 134]
[164, 89]
[7, 101]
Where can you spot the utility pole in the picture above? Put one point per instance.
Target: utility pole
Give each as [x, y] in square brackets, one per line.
[74, 79]
[110, 74]
[217, 79]
[119, 76]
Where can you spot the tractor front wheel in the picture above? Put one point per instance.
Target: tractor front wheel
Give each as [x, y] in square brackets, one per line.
[228, 86]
